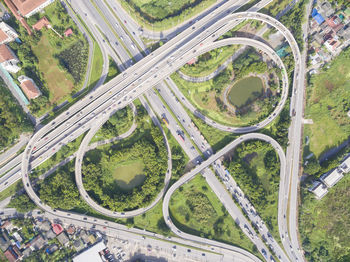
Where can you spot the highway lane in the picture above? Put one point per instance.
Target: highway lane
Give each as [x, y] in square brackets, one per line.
[99, 96]
[79, 179]
[25, 161]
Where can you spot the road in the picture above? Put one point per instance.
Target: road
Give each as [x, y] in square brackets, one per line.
[151, 71]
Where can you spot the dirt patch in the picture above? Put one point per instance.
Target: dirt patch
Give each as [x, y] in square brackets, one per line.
[249, 157]
[328, 85]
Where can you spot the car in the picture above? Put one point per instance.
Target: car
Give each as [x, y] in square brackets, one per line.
[189, 250]
[125, 21]
[263, 252]
[203, 254]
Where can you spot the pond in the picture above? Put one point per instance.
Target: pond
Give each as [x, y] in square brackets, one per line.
[129, 174]
[245, 91]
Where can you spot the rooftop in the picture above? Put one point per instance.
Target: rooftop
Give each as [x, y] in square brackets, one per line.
[91, 254]
[43, 22]
[5, 54]
[318, 189]
[331, 178]
[57, 228]
[29, 89]
[27, 6]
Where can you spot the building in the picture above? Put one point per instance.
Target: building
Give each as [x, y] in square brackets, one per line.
[78, 245]
[4, 240]
[16, 14]
[8, 59]
[50, 234]
[13, 254]
[91, 254]
[317, 16]
[29, 87]
[43, 22]
[43, 225]
[27, 8]
[331, 178]
[71, 230]
[7, 33]
[331, 44]
[68, 32]
[335, 23]
[345, 166]
[63, 238]
[38, 242]
[57, 228]
[326, 8]
[51, 249]
[319, 189]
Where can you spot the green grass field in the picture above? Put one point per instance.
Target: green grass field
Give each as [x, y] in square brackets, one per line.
[328, 101]
[160, 15]
[96, 68]
[129, 174]
[323, 224]
[196, 209]
[210, 61]
[202, 96]
[57, 80]
[113, 70]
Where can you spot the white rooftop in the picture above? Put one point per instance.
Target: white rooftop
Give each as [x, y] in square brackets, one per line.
[330, 179]
[319, 189]
[91, 254]
[346, 164]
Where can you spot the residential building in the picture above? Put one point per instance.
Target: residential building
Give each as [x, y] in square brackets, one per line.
[331, 178]
[29, 87]
[13, 254]
[78, 245]
[331, 44]
[91, 254]
[43, 22]
[51, 249]
[16, 14]
[50, 234]
[63, 238]
[326, 8]
[7, 33]
[38, 242]
[43, 225]
[68, 32]
[57, 228]
[27, 8]
[319, 189]
[8, 59]
[4, 240]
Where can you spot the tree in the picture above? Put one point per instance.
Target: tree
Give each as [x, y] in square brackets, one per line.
[22, 203]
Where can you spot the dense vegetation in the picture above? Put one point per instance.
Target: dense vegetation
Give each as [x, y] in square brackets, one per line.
[323, 224]
[327, 105]
[39, 58]
[74, 59]
[13, 121]
[105, 190]
[164, 14]
[255, 167]
[116, 125]
[113, 70]
[195, 209]
[249, 62]
[22, 203]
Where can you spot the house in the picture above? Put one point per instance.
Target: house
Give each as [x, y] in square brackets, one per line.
[78, 245]
[7, 33]
[50, 234]
[317, 16]
[331, 178]
[4, 240]
[27, 8]
[319, 189]
[84, 236]
[43, 22]
[51, 249]
[13, 254]
[8, 59]
[57, 228]
[332, 44]
[91, 254]
[344, 32]
[7, 225]
[335, 23]
[26, 252]
[71, 230]
[38, 242]
[326, 8]
[68, 32]
[18, 16]
[192, 61]
[43, 225]
[63, 238]
[29, 87]
[17, 237]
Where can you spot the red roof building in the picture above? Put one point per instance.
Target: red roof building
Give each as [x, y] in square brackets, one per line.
[192, 61]
[29, 7]
[57, 228]
[43, 22]
[68, 32]
[29, 87]
[16, 14]
[13, 254]
[335, 23]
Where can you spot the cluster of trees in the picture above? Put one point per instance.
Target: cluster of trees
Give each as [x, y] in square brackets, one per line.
[118, 121]
[102, 187]
[200, 206]
[159, 10]
[59, 189]
[22, 203]
[74, 59]
[13, 121]
[246, 176]
[249, 62]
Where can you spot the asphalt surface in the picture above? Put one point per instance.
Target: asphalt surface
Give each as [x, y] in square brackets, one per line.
[102, 99]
